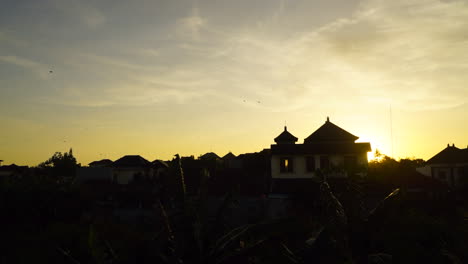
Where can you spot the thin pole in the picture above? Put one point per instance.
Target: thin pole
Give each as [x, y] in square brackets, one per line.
[391, 129]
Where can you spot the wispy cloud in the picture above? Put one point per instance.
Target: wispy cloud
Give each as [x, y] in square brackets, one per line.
[191, 25]
[39, 69]
[410, 53]
[7, 37]
[87, 14]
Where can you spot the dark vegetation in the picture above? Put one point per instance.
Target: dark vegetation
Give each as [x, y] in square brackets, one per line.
[48, 219]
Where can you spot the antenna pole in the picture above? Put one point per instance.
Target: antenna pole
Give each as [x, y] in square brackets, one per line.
[391, 129]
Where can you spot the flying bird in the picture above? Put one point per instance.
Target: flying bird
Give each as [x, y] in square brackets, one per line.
[51, 71]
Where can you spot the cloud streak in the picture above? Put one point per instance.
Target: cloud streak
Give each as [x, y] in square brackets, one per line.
[39, 69]
[87, 14]
[410, 54]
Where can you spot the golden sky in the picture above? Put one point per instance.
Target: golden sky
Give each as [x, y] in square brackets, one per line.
[156, 78]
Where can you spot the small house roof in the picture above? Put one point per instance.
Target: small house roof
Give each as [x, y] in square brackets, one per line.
[131, 161]
[160, 164]
[229, 156]
[12, 167]
[450, 154]
[285, 137]
[330, 132]
[210, 156]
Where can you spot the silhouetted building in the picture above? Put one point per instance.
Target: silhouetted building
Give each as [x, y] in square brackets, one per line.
[10, 173]
[330, 150]
[296, 169]
[449, 166]
[94, 174]
[160, 168]
[231, 161]
[209, 156]
[131, 168]
[229, 156]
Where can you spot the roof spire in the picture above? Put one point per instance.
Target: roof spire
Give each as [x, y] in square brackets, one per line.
[328, 119]
[285, 137]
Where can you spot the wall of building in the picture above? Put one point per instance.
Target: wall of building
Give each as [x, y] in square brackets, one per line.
[362, 159]
[300, 167]
[127, 175]
[87, 174]
[452, 174]
[426, 170]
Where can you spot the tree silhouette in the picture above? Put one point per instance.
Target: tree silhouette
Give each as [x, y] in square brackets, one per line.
[61, 164]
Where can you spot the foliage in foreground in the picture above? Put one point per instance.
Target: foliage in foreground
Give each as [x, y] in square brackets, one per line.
[50, 224]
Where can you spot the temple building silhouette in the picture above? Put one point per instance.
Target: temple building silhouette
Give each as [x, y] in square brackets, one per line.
[329, 152]
[330, 149]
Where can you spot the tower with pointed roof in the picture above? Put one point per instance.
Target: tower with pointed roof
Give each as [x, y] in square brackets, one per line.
[285, 137]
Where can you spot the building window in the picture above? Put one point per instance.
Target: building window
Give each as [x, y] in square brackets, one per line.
[310, 164]
[286, 165]
[324, 162]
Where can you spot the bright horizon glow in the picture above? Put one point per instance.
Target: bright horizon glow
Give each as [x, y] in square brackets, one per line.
[156, 78]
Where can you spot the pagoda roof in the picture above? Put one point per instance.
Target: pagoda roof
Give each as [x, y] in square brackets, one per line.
[285, 137]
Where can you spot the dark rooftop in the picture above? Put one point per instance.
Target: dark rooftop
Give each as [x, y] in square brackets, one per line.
[330, 132]
[285, 137]
[229, 156]
[450, 154]
[12, 167]
[210, 156]
[160, 164]
[131, 161]
[100, 163]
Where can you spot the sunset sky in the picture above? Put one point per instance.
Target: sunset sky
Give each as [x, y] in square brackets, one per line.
[156, 78]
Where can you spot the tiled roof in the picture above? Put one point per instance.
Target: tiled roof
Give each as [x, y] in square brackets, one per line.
[450, 154]
[131, 161]
[330, 132]
[285, 137]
